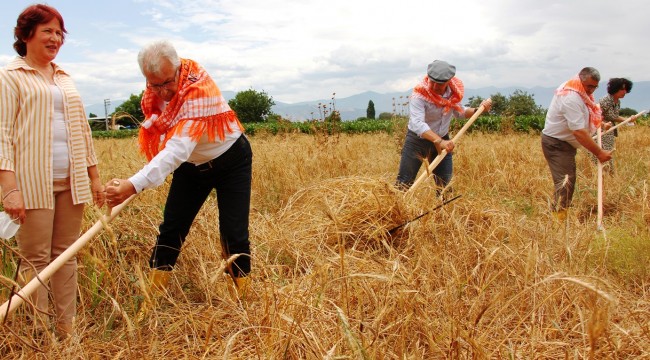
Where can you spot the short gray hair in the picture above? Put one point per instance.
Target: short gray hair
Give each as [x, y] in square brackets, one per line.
[151, 55]
[589, 72]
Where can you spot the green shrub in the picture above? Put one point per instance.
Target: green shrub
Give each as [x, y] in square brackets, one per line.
[622, 253]
[385, 116]
[384, 123]
[115, 134]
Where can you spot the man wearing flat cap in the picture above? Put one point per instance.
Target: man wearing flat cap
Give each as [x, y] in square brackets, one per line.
[434, 102]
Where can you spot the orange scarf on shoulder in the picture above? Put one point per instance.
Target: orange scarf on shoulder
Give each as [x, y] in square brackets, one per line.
[197, 99]
[595, 114]
[423, 91]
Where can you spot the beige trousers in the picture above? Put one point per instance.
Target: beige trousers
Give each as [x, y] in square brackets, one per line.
[44, 235]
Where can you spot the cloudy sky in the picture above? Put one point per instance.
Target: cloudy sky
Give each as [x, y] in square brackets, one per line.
[301, 50]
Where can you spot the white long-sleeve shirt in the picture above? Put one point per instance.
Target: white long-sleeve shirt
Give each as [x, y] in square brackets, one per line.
[179, 149]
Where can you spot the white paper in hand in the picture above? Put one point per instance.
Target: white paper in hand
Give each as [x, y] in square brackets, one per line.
[8, 228]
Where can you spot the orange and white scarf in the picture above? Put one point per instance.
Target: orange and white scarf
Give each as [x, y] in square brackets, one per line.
[595, 114]
[423, 91]
[197, 99]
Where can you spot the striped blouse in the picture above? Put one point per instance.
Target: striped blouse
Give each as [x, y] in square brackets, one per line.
[26, 110]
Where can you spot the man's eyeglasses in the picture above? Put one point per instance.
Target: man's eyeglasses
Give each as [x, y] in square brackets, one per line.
[164, 85]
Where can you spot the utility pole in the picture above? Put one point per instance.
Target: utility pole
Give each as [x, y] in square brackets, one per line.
[107, 103]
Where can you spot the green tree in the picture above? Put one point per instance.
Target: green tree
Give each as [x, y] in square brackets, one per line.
[252, 106]
[275, 118]
[625, 112]
[132, 107]
[522, 103]
[370, 112]
[499, 104]
[474, 101]
[385, 116]
[91, 115]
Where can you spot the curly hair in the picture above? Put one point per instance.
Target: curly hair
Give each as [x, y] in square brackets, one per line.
[614, 85]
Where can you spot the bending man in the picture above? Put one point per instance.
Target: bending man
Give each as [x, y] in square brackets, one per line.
[571, 119]
[191, 131]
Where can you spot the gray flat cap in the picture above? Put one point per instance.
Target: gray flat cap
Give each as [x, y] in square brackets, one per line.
[440, 71]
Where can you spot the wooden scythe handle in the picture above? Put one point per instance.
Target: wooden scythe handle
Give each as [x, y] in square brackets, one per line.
[622, 123]
[442, 154]
[17, 299]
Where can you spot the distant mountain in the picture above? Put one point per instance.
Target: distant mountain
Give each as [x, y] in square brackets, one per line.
[350, 108]
[353, 107]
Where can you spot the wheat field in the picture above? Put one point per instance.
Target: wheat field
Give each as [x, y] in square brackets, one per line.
[490, 275]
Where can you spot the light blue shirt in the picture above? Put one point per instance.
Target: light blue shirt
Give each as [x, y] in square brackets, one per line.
[425, 115]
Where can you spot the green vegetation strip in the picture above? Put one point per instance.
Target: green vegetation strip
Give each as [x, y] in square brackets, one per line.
[486, 124]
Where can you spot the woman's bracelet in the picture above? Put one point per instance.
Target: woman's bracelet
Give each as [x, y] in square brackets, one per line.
[8, 193]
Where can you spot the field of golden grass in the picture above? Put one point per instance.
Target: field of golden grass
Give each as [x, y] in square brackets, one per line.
[490, 275]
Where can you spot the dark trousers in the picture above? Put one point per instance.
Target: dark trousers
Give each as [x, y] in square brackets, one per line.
[561, 159]
[415, 149]
[230, 175]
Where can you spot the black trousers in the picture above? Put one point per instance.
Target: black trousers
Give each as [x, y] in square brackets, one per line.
[230, 175]
[415, 149]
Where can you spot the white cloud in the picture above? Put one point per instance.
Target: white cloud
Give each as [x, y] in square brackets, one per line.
[305, 50]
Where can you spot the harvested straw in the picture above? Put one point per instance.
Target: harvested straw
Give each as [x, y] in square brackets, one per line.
[490, 276]
[360, 210]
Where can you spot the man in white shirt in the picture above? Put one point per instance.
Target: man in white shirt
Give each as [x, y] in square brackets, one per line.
[571, 119]
[191, 131]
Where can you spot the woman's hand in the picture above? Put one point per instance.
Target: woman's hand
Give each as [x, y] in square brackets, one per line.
[99, 192]
[14, 205]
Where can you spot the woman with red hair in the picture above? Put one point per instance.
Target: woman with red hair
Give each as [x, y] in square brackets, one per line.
[48, 167]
